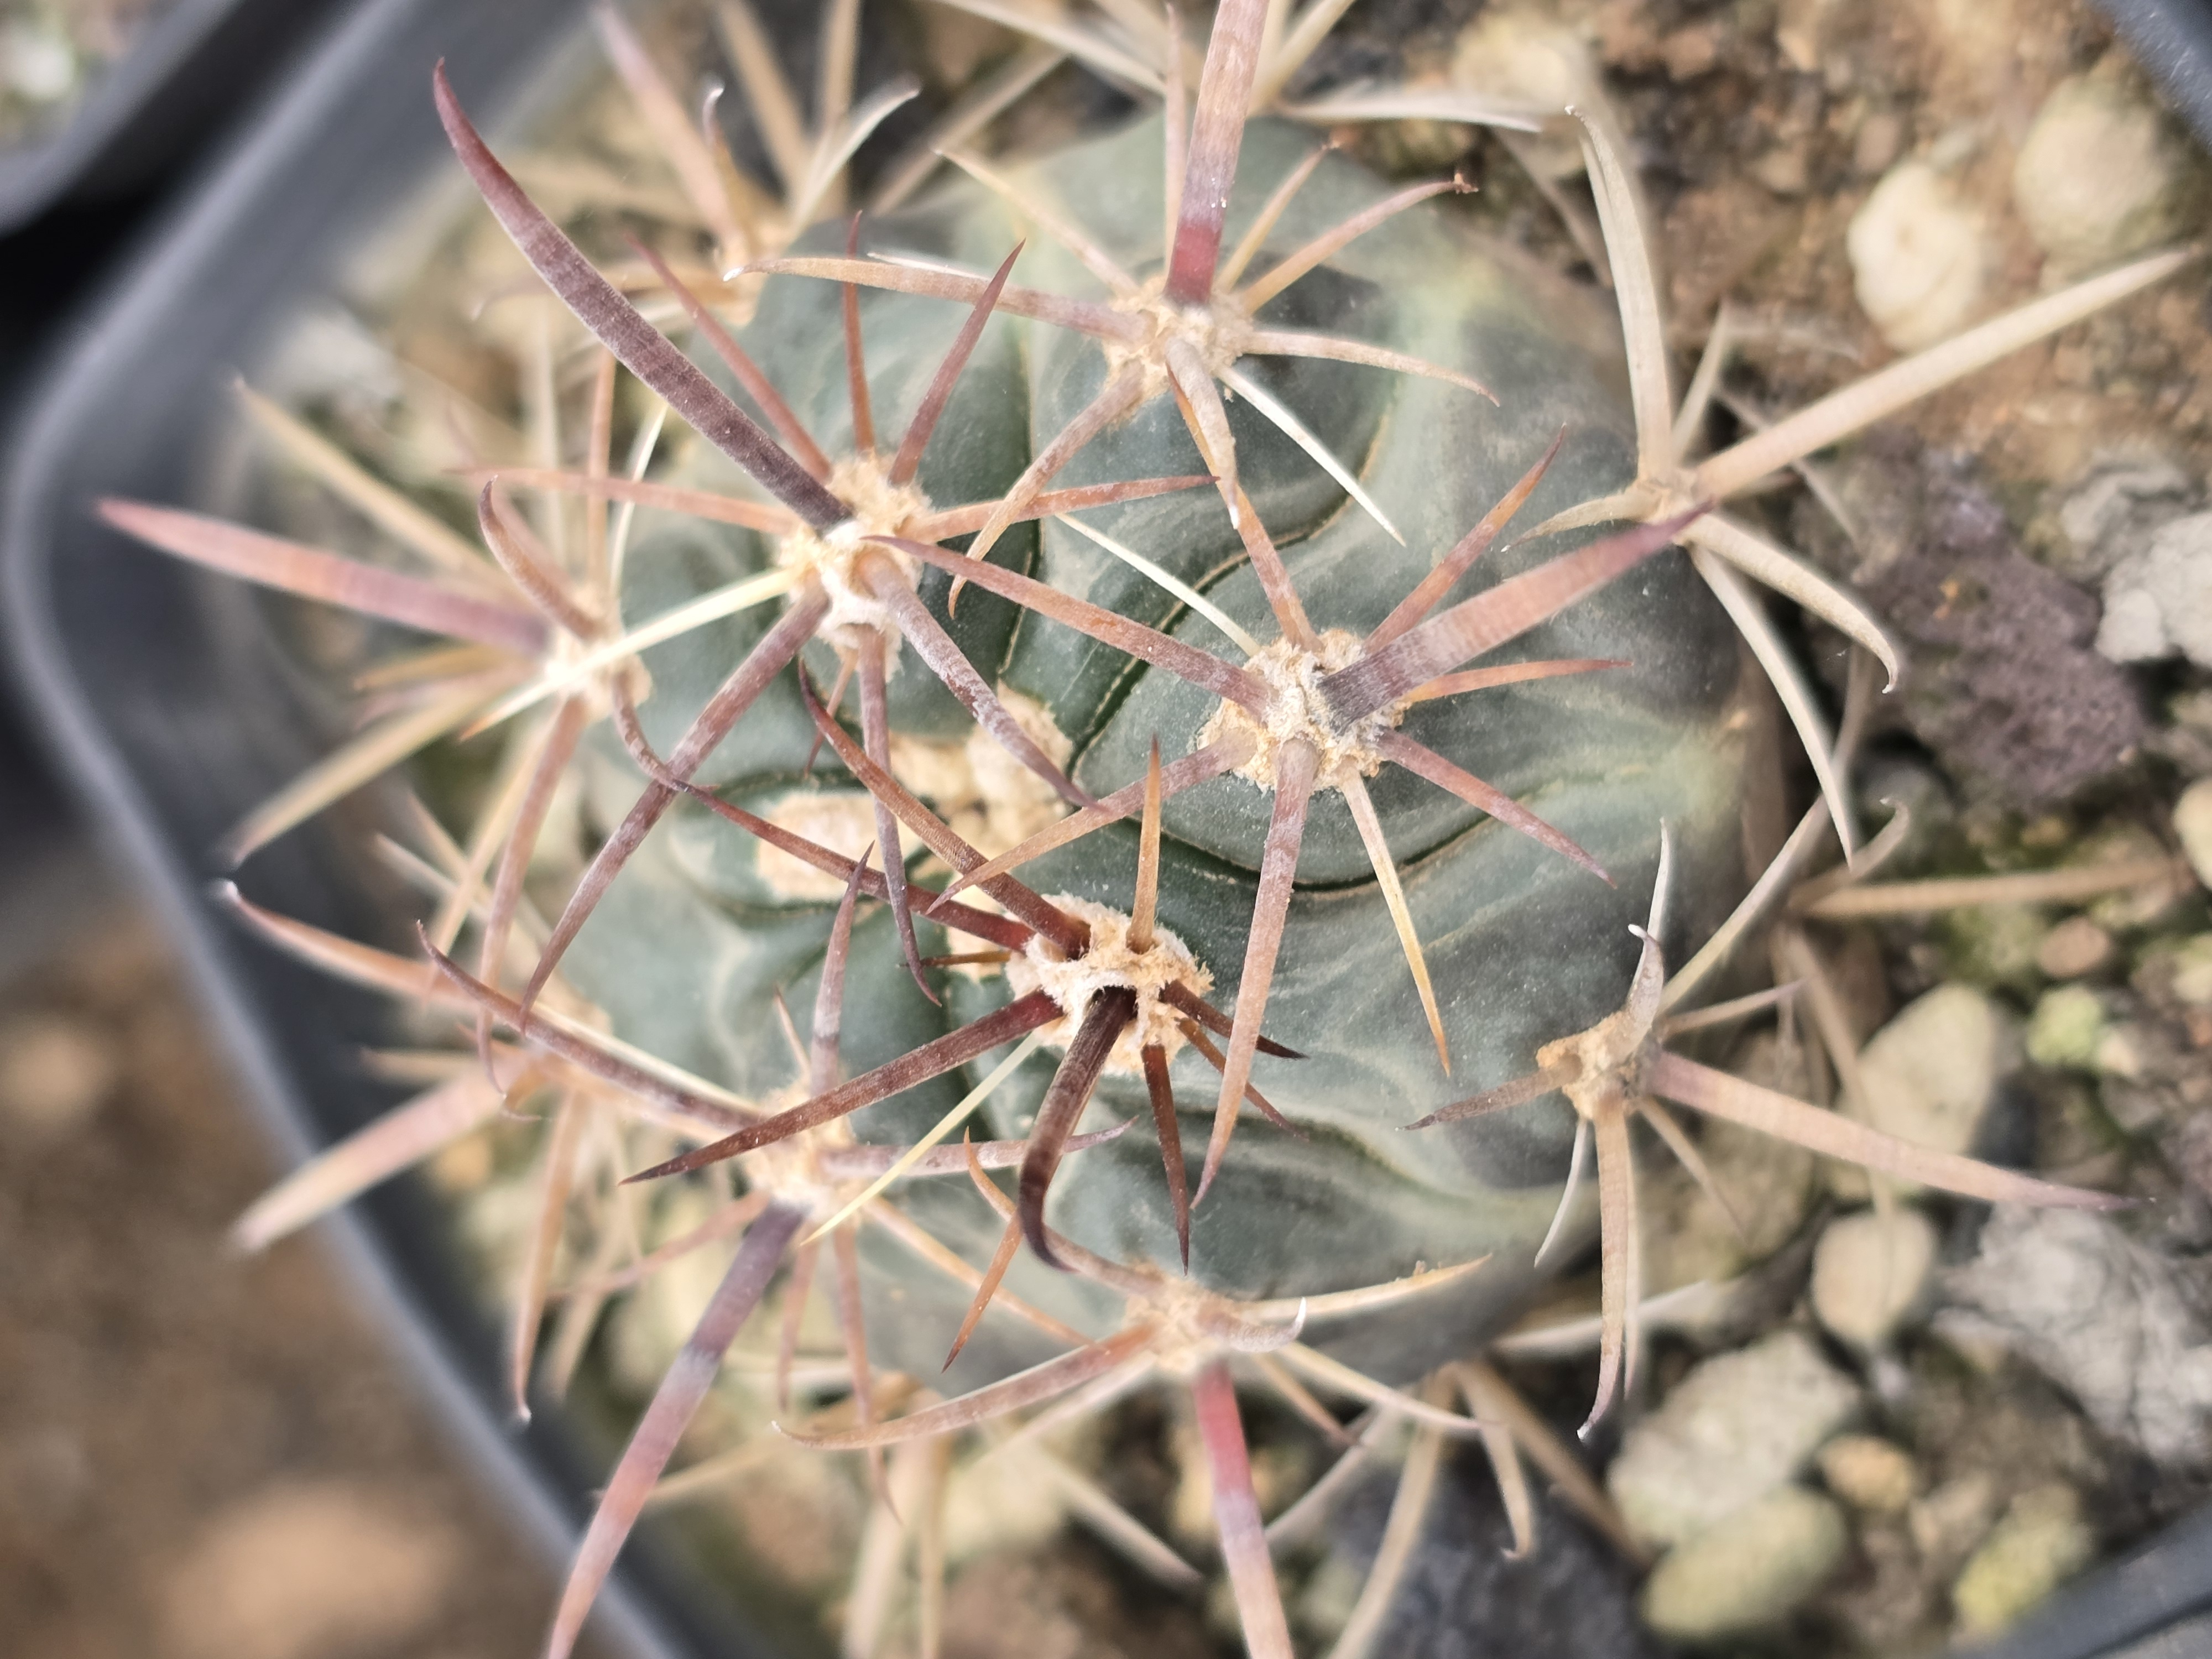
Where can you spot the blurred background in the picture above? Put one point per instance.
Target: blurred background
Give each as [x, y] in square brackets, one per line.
[199, 1455]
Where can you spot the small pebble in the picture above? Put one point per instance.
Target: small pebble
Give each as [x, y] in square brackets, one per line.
[1782, 170]
[1190, 1505]
[1749, 1571]
[1879, 141]
[2068, 1025]
[464, 1167]
[2110, 1321]
[1690, 52]
[799, 1519]
[2192, 823]
[1870, 1272]
[998, 1503]
[1770, 1185]
[1918, 256]
[1992, 944]
[1737, 1427]
[2041, 1542]
[37, 62]
[2096, 176]
[1931, 1073]
[1799, 42]
[650, 1326]
[56, 1070]
[2147, 903]
[2158, 602]
[305, 1568]
[2075, 947]
[2120, 1052]
[1524, 54]
[2115, 510]
[1949, 1522]
[2192, 971]
[1868, 1473]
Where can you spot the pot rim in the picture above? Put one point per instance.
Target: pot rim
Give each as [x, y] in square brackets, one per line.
[73, 439]
[36, 173]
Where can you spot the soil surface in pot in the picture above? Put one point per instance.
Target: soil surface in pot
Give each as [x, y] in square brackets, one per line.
[1902, 1420]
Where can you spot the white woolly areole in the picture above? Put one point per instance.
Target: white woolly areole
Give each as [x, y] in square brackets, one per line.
[857, 617]
[842, 820]
[564, 650]
[1298, 709]
[790, 1169]
[1013, 802]
[1217, 331]
[1109, 962]
[992, 801]
[1193, 1327]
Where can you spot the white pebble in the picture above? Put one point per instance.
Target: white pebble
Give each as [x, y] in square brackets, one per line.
[303, 1569]
[1732, 1431]
[37, 62]
[2158, 603]
[1919, 257]
[1869, 1273]
[2105, 1319]
[1748, 1571]
[2192, 969]
[1527, 56]
[2095, 177]
[2192, 823]
[1931, 1073]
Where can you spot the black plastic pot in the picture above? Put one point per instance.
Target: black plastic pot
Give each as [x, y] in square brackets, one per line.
[170, 718]
[2155, 1602]
[169, 711]
[190, 67]
[2173, 39]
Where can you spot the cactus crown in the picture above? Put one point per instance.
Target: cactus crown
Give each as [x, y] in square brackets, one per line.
[1331, 451]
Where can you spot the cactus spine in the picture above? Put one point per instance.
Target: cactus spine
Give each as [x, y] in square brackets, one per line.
[1302, 756]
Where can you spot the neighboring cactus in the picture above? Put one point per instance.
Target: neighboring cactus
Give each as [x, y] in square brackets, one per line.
[1429, 951]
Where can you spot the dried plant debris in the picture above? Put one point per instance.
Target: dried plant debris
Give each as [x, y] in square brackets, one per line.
[1356, 664]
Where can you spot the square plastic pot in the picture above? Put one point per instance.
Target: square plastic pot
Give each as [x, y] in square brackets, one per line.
[167, 706]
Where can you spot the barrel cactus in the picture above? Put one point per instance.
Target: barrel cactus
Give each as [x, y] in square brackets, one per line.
[1671, 734]
[1297, 730]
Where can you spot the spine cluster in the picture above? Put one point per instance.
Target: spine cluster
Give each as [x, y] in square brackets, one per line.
[1307, 699]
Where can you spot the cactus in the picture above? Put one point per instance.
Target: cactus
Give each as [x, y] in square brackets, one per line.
[1234, 635]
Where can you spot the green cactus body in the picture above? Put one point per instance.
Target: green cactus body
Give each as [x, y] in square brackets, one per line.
[700, 931]
[1391, 866]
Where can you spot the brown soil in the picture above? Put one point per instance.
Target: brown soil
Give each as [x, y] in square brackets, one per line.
[200, 1456]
